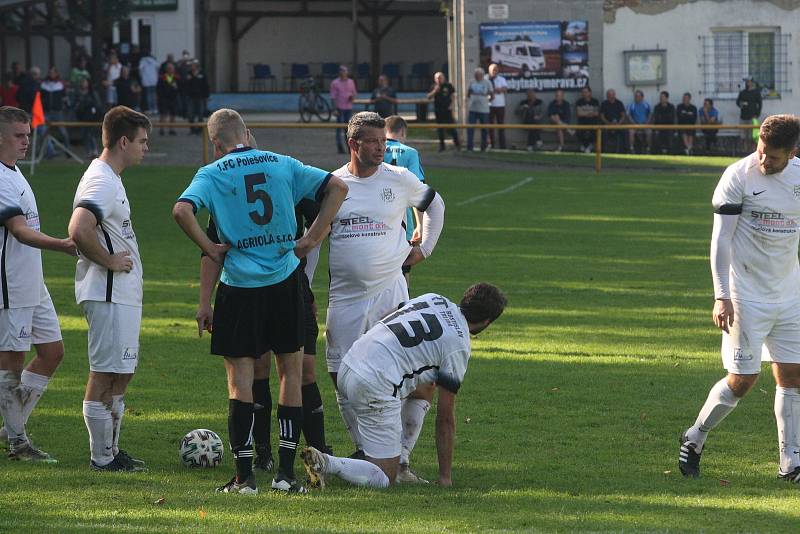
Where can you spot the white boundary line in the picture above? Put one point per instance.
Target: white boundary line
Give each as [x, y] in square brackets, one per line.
[495, 193]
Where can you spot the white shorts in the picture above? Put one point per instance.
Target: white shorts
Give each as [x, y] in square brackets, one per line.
[113, 336]
[377, 412]
[21, 327]
[345, 323]
[761, 331]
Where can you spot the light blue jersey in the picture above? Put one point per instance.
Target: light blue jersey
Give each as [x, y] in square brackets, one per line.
[404, 156]
[251, 195]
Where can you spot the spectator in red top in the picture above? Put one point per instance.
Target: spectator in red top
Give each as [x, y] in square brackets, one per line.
[8, 92]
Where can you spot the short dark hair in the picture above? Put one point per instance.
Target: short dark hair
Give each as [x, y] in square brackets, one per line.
[780, 131]
[639, 92]
[361, 121]
[395, 123]
[122, 121]
[482, 301]
[688, 94]
[10, 115]
[665, 93]
[710, 101]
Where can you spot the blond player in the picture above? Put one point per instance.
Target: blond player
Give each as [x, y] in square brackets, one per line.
[27, 315]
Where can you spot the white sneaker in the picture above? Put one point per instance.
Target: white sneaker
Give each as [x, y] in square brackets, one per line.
[560, 148]
[530, 148]
[406, 476]
[539, 144]
[316, 463]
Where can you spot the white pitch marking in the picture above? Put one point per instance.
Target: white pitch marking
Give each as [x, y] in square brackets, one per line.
[495, 193]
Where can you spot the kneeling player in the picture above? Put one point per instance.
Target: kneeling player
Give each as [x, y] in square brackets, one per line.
[425, 341]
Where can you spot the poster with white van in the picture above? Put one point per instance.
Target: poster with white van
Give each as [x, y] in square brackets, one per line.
[544, 55]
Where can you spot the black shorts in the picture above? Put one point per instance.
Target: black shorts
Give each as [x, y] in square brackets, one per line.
[312, 329]
[249, 321]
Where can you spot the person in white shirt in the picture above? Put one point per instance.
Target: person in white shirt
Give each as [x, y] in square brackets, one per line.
[424, 342]
[497, 107]
[368, 247]
[27, 315]
[148, 74]
[108, 284]
[756, 276]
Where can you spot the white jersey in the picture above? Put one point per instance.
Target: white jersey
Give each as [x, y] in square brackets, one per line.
[764, 266]
[499, 100]
[101, 192]
[20, 265]
[368, 237]
[425, 341]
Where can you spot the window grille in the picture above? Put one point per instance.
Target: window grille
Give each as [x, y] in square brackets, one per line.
[731, 55]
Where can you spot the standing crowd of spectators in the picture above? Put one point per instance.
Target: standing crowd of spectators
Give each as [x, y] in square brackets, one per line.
[486, 104]
[135, 79]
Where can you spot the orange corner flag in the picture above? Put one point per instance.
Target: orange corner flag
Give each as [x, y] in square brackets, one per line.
[37, 118]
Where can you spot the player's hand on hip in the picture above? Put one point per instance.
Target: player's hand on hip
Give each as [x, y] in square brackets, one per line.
[302, 247]
[416, 237]
[68, 247]
[218, 252]
[121, 262]
[414, 257]
[723, 314]
[205, 319]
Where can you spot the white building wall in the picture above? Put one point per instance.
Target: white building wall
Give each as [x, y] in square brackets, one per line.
[172, 31]
[678, 32]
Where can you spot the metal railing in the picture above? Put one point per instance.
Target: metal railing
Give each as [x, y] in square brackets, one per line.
[597, 128]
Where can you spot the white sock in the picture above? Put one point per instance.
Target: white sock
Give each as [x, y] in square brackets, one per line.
[100, 425]
[721, 401]
[32, 387]
[413, 415]
[350, 419]
[11, 407]
[787, 415]
[358, 472]
[117, 411]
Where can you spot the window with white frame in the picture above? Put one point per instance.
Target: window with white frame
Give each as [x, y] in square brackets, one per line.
[730, 55]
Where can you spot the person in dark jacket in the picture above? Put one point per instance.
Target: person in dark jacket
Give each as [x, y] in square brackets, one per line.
[54, 103]
[687, 114]
[167, 90]
[749, 103]
[28, 85]
[663, 113]
[128, 89]
[196, 85]
[531, 111]
[88, 108]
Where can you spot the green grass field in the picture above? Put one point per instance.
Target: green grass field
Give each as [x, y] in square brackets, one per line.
[567, 420]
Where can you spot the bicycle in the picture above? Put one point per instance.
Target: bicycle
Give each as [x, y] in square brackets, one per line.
[311, 102]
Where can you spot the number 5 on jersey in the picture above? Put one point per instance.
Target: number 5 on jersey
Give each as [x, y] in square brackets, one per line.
[255, 195]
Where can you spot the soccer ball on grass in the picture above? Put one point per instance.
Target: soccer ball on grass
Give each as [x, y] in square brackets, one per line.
[201, 448]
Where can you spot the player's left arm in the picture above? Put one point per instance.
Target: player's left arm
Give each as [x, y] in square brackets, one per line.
[183, 213]
[445, 435]
[425, 199]
[19, 228]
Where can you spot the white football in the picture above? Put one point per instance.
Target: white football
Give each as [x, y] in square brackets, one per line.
[201, 448]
